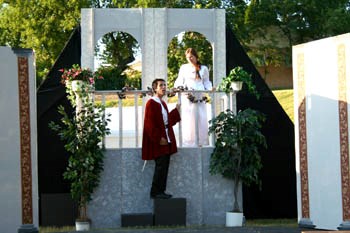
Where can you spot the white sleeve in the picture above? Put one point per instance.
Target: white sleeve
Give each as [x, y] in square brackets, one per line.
[180, 81]
[206, 81]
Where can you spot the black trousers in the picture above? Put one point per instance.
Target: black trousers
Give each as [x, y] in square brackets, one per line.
[160, 174]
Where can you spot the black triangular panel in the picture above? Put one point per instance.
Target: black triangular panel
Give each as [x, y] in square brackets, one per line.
[277, 197]
[52, 157]
[51, 90]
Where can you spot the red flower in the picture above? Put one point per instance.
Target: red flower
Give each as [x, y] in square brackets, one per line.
[78, 73]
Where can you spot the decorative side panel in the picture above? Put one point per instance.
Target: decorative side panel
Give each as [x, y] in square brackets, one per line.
[25, 140]
[343, 132]
[303, 138]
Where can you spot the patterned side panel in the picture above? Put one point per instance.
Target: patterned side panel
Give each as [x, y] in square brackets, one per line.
[24, 120]
[344, 133]
[304, 179]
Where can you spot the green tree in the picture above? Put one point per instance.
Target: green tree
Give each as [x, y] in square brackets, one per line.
[119, 49]
[113, 78]
[43, 25]
[270, 21]
[114, 4]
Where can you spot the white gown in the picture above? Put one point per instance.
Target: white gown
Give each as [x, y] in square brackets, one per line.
[187, 78]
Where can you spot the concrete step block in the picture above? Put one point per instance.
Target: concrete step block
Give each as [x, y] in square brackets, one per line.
[170, 212]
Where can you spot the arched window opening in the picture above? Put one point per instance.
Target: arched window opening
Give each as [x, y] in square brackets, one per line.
[116, 57]
[177, 48]
[194, 78]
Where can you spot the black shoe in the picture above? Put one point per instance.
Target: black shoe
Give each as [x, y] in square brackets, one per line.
[167, 194]
[161, 196]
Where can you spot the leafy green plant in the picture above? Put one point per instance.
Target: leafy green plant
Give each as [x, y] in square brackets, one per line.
[236, 153]
[113, 78]
[238, 74]
[82, 134]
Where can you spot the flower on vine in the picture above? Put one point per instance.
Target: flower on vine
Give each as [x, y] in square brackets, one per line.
[78, 73]
[194, 100]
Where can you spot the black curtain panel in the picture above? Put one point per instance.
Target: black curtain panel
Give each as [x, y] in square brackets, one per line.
[52, 157]
[277, 197]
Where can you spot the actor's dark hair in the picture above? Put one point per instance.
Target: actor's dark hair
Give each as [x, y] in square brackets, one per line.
[155, 83]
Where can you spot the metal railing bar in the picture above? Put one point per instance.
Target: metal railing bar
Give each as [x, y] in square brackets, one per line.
[227, 101]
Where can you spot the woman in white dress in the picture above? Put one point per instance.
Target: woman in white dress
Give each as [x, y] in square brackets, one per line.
[193, 76]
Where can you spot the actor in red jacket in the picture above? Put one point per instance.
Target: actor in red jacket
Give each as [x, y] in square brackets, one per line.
[159, 141]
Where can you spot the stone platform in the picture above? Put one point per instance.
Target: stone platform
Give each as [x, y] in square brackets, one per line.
[125, 188]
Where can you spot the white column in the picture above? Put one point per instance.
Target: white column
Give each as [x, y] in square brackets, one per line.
[160, 43]
[148, 68]
[87, 38]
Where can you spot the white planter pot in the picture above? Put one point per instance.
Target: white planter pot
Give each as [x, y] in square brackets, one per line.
[77, 85]
[82, 226]
[234, 219]
[236, 86]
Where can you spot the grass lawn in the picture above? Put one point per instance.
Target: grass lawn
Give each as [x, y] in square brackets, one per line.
[286, 99]
[272, 222]
[56, 229]
[250, 223]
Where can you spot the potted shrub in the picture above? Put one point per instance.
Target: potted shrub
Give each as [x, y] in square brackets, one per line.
[236, 153]
[235, 80]
[82, 134]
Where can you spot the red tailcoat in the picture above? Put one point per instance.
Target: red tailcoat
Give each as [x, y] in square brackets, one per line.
[154, 129]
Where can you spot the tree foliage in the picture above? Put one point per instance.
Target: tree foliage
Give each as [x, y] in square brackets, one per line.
[118, 51]
[260, 26]
[293, 21]
[43, 25]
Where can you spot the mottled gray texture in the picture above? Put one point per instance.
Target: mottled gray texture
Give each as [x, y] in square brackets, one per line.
[124, 188]
[217, 194]
[185, 180]
[135, 183]
[104, 209]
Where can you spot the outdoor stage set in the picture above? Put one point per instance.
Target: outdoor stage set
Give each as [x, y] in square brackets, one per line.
[311, 182]
[123, 180]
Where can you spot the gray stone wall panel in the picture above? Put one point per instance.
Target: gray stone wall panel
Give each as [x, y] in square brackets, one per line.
[124, 187]
[105, 208]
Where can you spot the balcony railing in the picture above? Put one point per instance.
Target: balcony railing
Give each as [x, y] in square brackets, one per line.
[127, 110]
